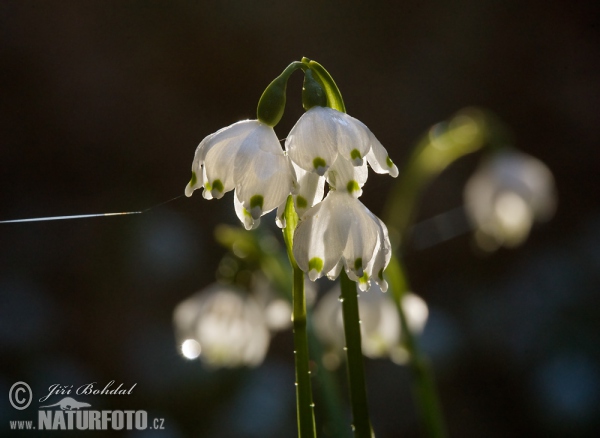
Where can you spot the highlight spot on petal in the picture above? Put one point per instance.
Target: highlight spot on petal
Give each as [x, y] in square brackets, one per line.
[356, 158]
[320, 165]
[352, 186]
[301, 202]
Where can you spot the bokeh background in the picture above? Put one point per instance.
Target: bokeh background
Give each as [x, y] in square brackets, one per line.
[102, 104]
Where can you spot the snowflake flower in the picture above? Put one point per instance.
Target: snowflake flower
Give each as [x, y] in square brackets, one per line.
[247, 157]
[323, 134]
[341, 232]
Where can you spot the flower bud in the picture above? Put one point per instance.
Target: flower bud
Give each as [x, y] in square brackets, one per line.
[312, 93]
[272, 102]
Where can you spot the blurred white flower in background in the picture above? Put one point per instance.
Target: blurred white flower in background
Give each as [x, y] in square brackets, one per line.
[223, 325]
[508, 192]
[380, 324]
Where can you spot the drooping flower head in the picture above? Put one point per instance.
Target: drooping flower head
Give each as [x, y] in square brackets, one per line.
[341, 232]
[245, 157]
[323, 134]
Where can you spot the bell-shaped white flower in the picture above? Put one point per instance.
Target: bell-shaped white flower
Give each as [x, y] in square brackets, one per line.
[507, 193]
[342, 232]
[380, 326]
[223, 326]
[247, 157]
[322, 134]
[311, 188]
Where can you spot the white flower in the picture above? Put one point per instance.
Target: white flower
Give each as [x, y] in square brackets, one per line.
[380, 323]
[322, 135]
[223, 326]
[247, 157]
[508, 192]
[342, 232]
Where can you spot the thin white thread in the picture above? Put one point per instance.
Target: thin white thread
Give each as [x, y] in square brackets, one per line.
[85, 216]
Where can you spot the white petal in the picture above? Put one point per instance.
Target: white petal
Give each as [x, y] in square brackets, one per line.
[280, 215]
[263, 176]
[362, 239]
[378, 158]
[381, 256]
[243, 215]
[333, 274]
[311, 143]
[310, 191]
[343, 176]
[220, 151]
[321, 237]
[352, 137]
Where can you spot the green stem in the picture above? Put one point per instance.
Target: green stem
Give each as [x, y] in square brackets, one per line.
[356, 372]
[304, 400]
[424, 385]
[335, 421]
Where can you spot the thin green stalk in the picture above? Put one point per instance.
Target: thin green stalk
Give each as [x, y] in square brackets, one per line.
[356, 373]
[335, 421]
[304, 400]
[424, 384]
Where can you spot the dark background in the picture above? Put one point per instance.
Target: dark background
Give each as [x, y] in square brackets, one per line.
[101, 107]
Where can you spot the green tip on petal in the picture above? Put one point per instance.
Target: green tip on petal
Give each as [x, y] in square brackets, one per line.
[364, 279]
[357, 160]
[256, 201]
[352, 186]
[389, 162]
[301, 202]
[380, 274]
[320, 165]
[217, 185]
[194, 179]
[315, 263]
[256, 206]
[358, 263]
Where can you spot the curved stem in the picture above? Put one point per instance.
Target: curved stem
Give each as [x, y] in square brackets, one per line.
[356, 372]
[304, 400]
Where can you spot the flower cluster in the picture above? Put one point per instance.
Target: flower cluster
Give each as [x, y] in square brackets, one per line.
[325, 145]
